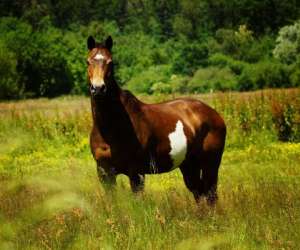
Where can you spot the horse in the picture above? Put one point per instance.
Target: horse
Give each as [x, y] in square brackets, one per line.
[133, 138]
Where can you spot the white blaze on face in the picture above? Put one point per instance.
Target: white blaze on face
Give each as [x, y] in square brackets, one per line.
[178, 143]
[99, 57]
[98, 75]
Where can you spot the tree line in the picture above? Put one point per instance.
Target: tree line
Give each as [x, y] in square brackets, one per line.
[161, 46]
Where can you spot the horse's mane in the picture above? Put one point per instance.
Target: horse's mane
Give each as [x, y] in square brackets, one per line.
[131, 101]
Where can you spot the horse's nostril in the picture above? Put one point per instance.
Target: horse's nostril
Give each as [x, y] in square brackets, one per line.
[102, 88]
[93, 89]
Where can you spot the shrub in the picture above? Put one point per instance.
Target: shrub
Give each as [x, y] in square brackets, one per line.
[40, 56]
[235, 43]
[9, 80]
[288, 43]
[259, 49]
[182, 25]
[264, 75]
[142, 83]
[211, 79]
[295, 74]
[241, 44]
[222, 61]
[189, 58]
[227, 40]
[161, 88]
[179, 83]
[45, 66]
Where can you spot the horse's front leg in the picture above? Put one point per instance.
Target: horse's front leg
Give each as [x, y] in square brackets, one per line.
[106, 173]
[137, 182]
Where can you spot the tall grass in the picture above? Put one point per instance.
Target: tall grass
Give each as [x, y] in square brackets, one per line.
[50, 197]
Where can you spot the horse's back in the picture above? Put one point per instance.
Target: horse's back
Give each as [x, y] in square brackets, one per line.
[202, 124]
[189, 110]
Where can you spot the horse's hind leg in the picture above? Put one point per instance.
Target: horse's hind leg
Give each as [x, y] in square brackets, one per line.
[192, 179]
[210, 177]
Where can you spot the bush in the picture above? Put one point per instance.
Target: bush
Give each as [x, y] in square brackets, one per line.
[259, 49]
[288, 43]
[241, 44]
[295, 74]
[161, 88]
[9, 80]
[264, 75]
[189, 58]
[182, 25]
[212, 79]
[40, 56]
[45, 65]
[131, 59]
[179, 83]
[222, 61]
[143, 82]
[235, 43]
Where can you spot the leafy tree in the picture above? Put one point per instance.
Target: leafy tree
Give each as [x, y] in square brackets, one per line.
[144, 82]
[190, 57]
[9, 80]
[212, 79]
[266, 74]
[287, 49]
[159, 44]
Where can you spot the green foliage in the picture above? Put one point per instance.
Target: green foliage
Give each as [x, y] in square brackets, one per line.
[41, 66]
[212, 79]
[45, 66]
[241, 44]
[190, 57]
[228, 41]
[295, 74]
[45, 43]
[222, 60]
[266, 74]
[135, 53]
[143, 82]
[179, 84]
[9, 82]
[287, 49]
[182, 26]
[161, 88]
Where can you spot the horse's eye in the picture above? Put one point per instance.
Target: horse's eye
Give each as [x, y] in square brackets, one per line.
[87, 62]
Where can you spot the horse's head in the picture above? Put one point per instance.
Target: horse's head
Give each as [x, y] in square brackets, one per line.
[99, 65]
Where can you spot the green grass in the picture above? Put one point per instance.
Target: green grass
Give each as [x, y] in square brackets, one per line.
[50, 197]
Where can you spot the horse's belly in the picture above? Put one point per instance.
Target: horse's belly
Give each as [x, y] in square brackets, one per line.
[178, 145]
[170, 152]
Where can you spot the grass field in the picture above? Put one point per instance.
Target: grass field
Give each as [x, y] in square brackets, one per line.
[50, 197]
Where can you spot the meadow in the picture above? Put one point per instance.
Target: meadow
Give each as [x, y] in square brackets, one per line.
[50, 196]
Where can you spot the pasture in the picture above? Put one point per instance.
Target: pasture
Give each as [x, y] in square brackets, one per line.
[50, 196]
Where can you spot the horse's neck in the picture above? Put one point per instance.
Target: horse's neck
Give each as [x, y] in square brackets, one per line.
[112, 116]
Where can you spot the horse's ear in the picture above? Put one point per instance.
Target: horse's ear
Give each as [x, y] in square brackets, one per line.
[109, 43]
[91, 43]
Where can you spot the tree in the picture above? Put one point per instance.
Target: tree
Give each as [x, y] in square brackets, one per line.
[287, 49]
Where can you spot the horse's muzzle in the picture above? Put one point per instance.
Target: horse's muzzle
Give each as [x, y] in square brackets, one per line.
[98, 91]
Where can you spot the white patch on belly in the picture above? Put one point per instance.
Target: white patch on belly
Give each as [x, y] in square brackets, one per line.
[178, 143]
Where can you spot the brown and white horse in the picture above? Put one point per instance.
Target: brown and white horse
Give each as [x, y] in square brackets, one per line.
[133, 138]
